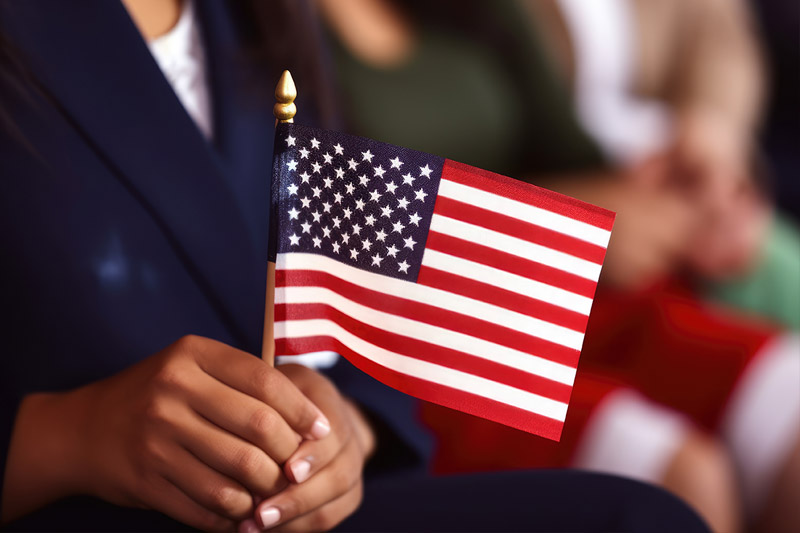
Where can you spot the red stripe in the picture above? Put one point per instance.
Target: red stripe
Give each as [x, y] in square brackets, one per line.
[509, 263]
[429, 352]
[520, 229]
[510, 300]
[430, 391]
[527, 193]
[429, 314]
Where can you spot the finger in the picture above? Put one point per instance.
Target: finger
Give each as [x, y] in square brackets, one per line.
[172, 501]
[329, 515]
[341, 475]
[207, 487]
[231, 456]
[244, 416]
[252, 376]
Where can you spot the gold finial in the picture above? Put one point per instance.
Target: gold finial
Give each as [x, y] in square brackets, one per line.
[285, 93]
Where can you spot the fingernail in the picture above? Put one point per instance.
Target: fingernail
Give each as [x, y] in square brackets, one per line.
[320, 428]
[300, 470]
[269, 516]
[249, 526]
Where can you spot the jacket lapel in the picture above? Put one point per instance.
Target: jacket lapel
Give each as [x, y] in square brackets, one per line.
[91, 59]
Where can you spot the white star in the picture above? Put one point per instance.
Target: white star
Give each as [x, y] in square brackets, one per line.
[356, 229]
[425, 171]
[376, 260]
[305, 176]
[327, 157]
[316, 191]
[360, 204]
[386, 211]
[293, 214]
[403, 267]
[345, 238]
[379, 171]
[326, 231]
[304, 153]
[294, 240]
[408, 179]
[366, 244]
[367, 156]
[290, 140]
[292, 165]
[292, 189]
[347, 212]
[314, 143]
[369, 220]
[398, 227]
[414, 219]
[392, 251]
[326, 207]
[349, 188]
[335, 247]
[306, 202]
[328, 182]
[336, 221]
[306, 227]
[391, 187]
[352, 163]
[396, 163]
[380, 235]
[410, 242]
[353, 253]
[317, 242]
[375, 195]
[316, 166]
[420, 195]
[340, 173]
[402, 203]
[316, 215]
[363, 179]
[338, 149]
[337, 197]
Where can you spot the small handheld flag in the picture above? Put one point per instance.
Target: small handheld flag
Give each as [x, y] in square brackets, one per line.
[450, 283]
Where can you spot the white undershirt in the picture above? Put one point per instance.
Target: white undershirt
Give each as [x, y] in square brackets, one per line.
[181, 56]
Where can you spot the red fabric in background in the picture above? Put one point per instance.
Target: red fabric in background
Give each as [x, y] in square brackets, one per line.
[664, 343]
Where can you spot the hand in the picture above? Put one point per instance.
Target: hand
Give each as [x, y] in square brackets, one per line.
[326, 474]
[192, 431]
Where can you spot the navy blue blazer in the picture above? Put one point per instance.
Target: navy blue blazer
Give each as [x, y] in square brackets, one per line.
[121, 227]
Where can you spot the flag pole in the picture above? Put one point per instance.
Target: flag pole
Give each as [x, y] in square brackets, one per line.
[284, 111]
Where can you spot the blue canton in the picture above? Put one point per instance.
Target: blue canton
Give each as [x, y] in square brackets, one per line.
[361, 202]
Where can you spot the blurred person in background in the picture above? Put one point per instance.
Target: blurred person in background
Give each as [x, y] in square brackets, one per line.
[670, 390]
[135, 153]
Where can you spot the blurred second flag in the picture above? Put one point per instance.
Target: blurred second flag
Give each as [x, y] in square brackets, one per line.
[450, 283]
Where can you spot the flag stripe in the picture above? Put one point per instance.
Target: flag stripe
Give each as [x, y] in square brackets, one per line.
[571, 212]
[507, 243]
[505, 280]
[424, 370]
[453, 340]
[433, 392]
[426, 351]
[501, 331]
[519, 228]
[502, 298]
[511, 263]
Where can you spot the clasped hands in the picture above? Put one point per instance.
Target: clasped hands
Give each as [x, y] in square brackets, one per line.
[220, 440]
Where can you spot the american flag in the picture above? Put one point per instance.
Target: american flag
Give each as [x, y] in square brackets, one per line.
[450, 283]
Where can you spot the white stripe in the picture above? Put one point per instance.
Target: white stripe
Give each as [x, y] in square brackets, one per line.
[506, 280]
[439, 336]
[527, 213]
[455, 303]
[512, 245]
[424, 370]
